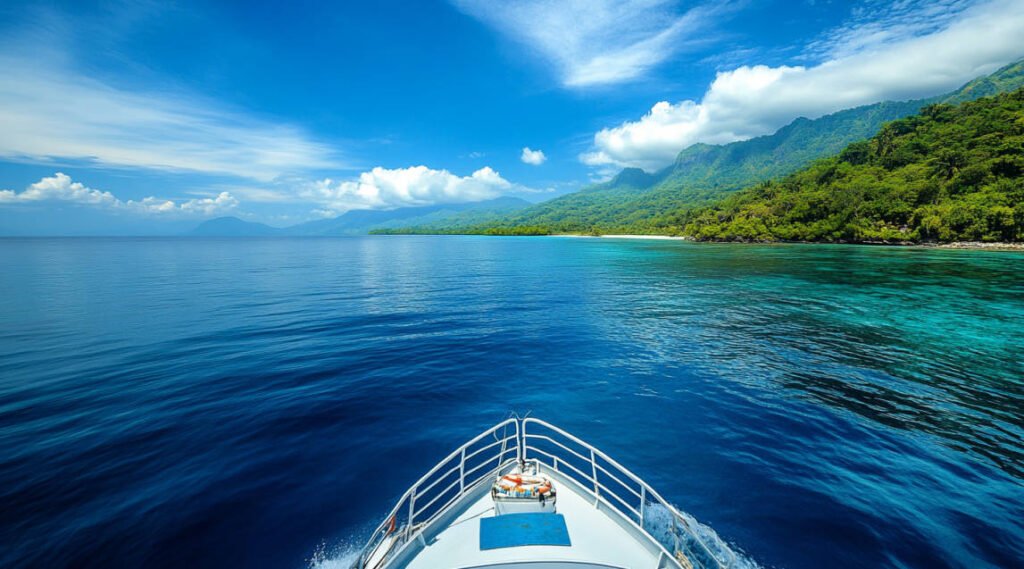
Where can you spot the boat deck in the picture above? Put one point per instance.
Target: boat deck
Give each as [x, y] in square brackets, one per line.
[608, 518]
[598, 541]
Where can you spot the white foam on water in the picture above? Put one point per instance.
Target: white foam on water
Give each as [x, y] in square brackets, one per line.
[340, 556]
[658, 522]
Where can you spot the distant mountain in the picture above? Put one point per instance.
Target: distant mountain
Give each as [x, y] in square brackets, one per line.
[632, 179]
[636, 201]
[950, 173]
[487, 211]
[619, 190]
[233, 227]
[361, 222]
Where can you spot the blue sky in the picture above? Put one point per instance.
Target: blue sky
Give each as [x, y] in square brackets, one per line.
[158, 115]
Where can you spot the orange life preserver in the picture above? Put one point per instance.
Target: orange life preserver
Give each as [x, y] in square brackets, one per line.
[523, 485]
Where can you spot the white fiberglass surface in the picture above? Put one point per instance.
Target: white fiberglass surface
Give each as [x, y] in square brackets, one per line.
[548, 565]
[598, 541]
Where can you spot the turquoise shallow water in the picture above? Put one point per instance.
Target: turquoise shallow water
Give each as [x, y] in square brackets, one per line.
[194, 402]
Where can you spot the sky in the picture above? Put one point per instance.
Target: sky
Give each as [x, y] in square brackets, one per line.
[151, 116]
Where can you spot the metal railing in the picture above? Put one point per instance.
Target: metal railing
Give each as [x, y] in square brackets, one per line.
[609, 483]
[613, 485]
[479, 459]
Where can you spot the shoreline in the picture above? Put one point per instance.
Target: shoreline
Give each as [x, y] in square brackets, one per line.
[980, 245]
[956, 245]
[653, 237]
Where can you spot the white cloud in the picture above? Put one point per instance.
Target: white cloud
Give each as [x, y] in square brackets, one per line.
[48, 110]
[60, 187]
[534, 157]
[257, 194]
[383, 188]
[197, 207]
[593, 42]
[755, 100]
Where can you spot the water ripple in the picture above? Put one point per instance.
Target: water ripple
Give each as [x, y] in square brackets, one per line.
[189, 402]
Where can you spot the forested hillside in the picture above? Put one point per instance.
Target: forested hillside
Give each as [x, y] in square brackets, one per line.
[662, 203]
[951, 173]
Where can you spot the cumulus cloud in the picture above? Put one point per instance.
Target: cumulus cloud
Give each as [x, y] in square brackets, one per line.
[593, 42]
[749, 101]
[534, 157]
[60, 187]
[48, 110]
[383, 188]
[196, 207]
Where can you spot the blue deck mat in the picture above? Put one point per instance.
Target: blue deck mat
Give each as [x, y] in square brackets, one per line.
[516, 530]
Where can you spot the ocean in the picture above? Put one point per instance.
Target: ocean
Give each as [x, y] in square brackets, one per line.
[189, 402]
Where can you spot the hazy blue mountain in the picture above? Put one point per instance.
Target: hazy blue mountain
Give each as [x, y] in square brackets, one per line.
[359, 222]
[233, 227]
[468, 214]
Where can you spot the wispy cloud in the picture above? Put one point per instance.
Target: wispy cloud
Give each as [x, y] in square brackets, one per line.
[924, 55]
[49, 110]
[594, 42]
[60, 187]
[877, 24]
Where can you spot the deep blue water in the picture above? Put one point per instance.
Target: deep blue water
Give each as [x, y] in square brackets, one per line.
[259, 403]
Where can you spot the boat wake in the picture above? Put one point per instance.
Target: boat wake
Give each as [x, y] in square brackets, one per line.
[701, 541]
[341, 556]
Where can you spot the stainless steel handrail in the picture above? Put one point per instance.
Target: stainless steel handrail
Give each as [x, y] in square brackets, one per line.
[647, 495]
[684, 540]
[423, 489]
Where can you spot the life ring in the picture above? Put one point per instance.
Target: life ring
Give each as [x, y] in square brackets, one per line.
[520, 486]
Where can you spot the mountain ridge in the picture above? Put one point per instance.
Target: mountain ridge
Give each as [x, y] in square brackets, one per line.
[230, 226]
[656, 202]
